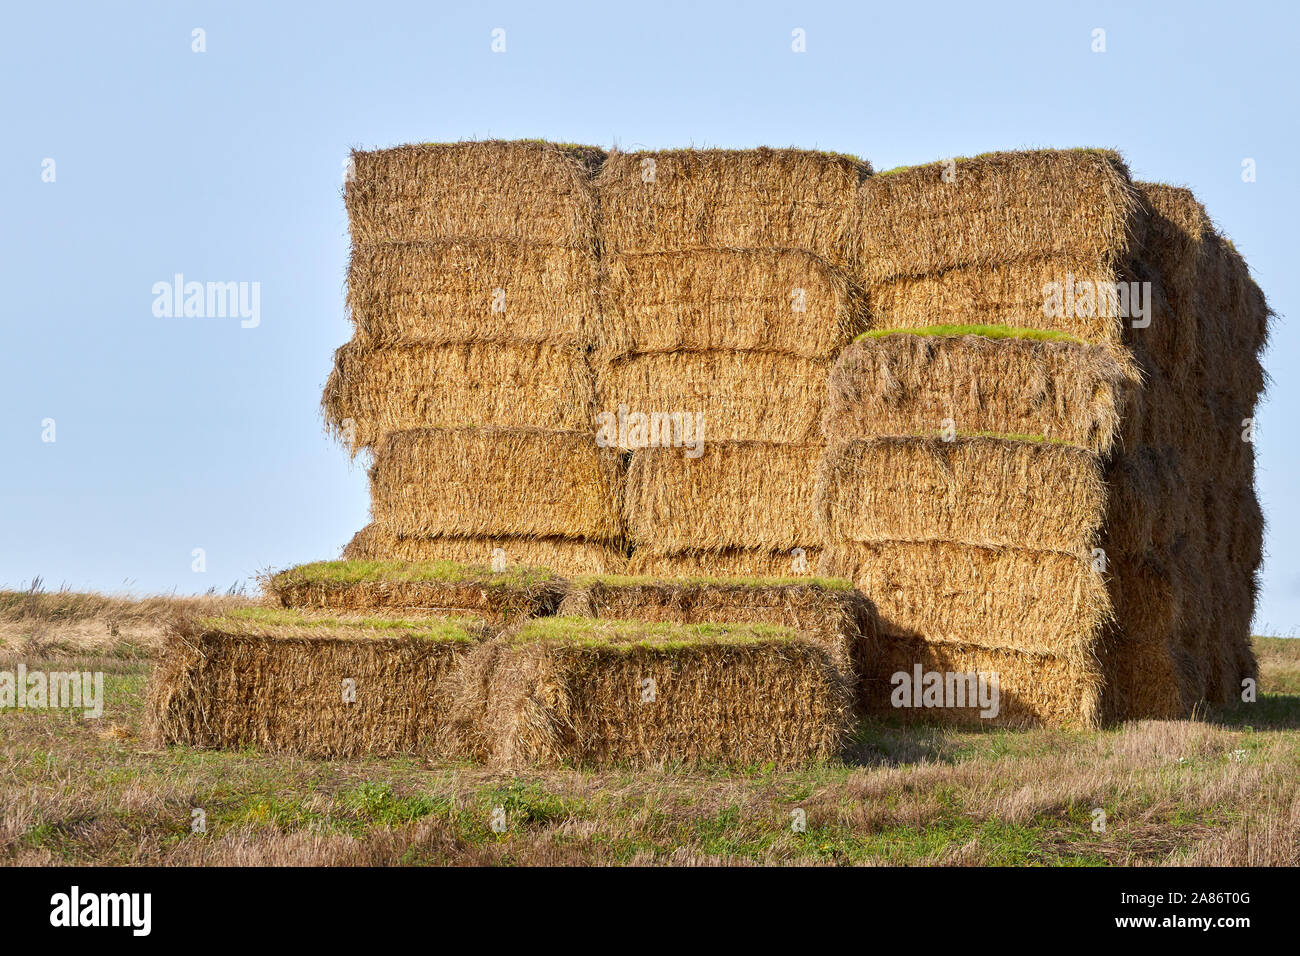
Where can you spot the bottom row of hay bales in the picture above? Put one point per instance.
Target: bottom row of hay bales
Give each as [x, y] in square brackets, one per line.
[501, 669]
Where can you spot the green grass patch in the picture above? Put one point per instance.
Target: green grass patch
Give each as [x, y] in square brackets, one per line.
[339, 573]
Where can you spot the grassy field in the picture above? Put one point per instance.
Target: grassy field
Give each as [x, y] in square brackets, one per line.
[1224, 790]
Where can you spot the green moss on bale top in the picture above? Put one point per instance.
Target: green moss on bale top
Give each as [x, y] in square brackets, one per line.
[281, 622]
[402, 572]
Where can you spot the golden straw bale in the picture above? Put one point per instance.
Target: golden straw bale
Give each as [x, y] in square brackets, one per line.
[1032, 689]
[432, 293]
[1079, 205]
[775, 300]
[488, 482]
[523, 190]
[736, 495]
[1012, 598]
[371, 392]
[280, 680]
[980, 491]
[562, 555]
[428, 586]
[741, 396]
[683, 199]
[1044, 294]
[595, 692]
[729, 562]
[829, 611]
[905, 384]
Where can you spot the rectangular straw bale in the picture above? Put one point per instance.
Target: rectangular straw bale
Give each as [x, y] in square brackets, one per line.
[682, 199]
[488, 482]
[1079, 205]
[1033, 689]
[523, 190]
[979, 491]
[736, 495]
[1148, 507]
[275, 680]
[906, 384]
[1137, 653]
[456, 386]
[573, 691]
[729, 562]
[774, 300]
[1019, 295]
[742, 396]
[561, 555]
[427, 586]
[1022, 600]
[1204, 273]
[828, 611]
[510, 293]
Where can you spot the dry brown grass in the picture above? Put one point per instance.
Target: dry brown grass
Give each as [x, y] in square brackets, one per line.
[37, 621]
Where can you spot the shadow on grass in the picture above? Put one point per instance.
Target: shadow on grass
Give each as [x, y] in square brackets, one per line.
[1270, 712]
[883, 743]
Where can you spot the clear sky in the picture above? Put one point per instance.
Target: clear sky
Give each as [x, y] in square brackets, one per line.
[173, 434]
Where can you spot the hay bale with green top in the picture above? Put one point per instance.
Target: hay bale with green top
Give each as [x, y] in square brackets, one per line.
[580, 691]
[431, 587]
[982, 379]
[319, 685]
[772, 300]
[565, 556]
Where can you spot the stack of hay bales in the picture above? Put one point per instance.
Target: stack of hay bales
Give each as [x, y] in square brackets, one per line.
[722, 301]
[472, 288]
[1009, 460]
[519, 668]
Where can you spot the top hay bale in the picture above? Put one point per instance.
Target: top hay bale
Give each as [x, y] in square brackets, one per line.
[688, 199]
[523, 190]
[1076, 205]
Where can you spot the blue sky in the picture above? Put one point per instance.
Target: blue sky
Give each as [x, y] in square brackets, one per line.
[174, 434]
